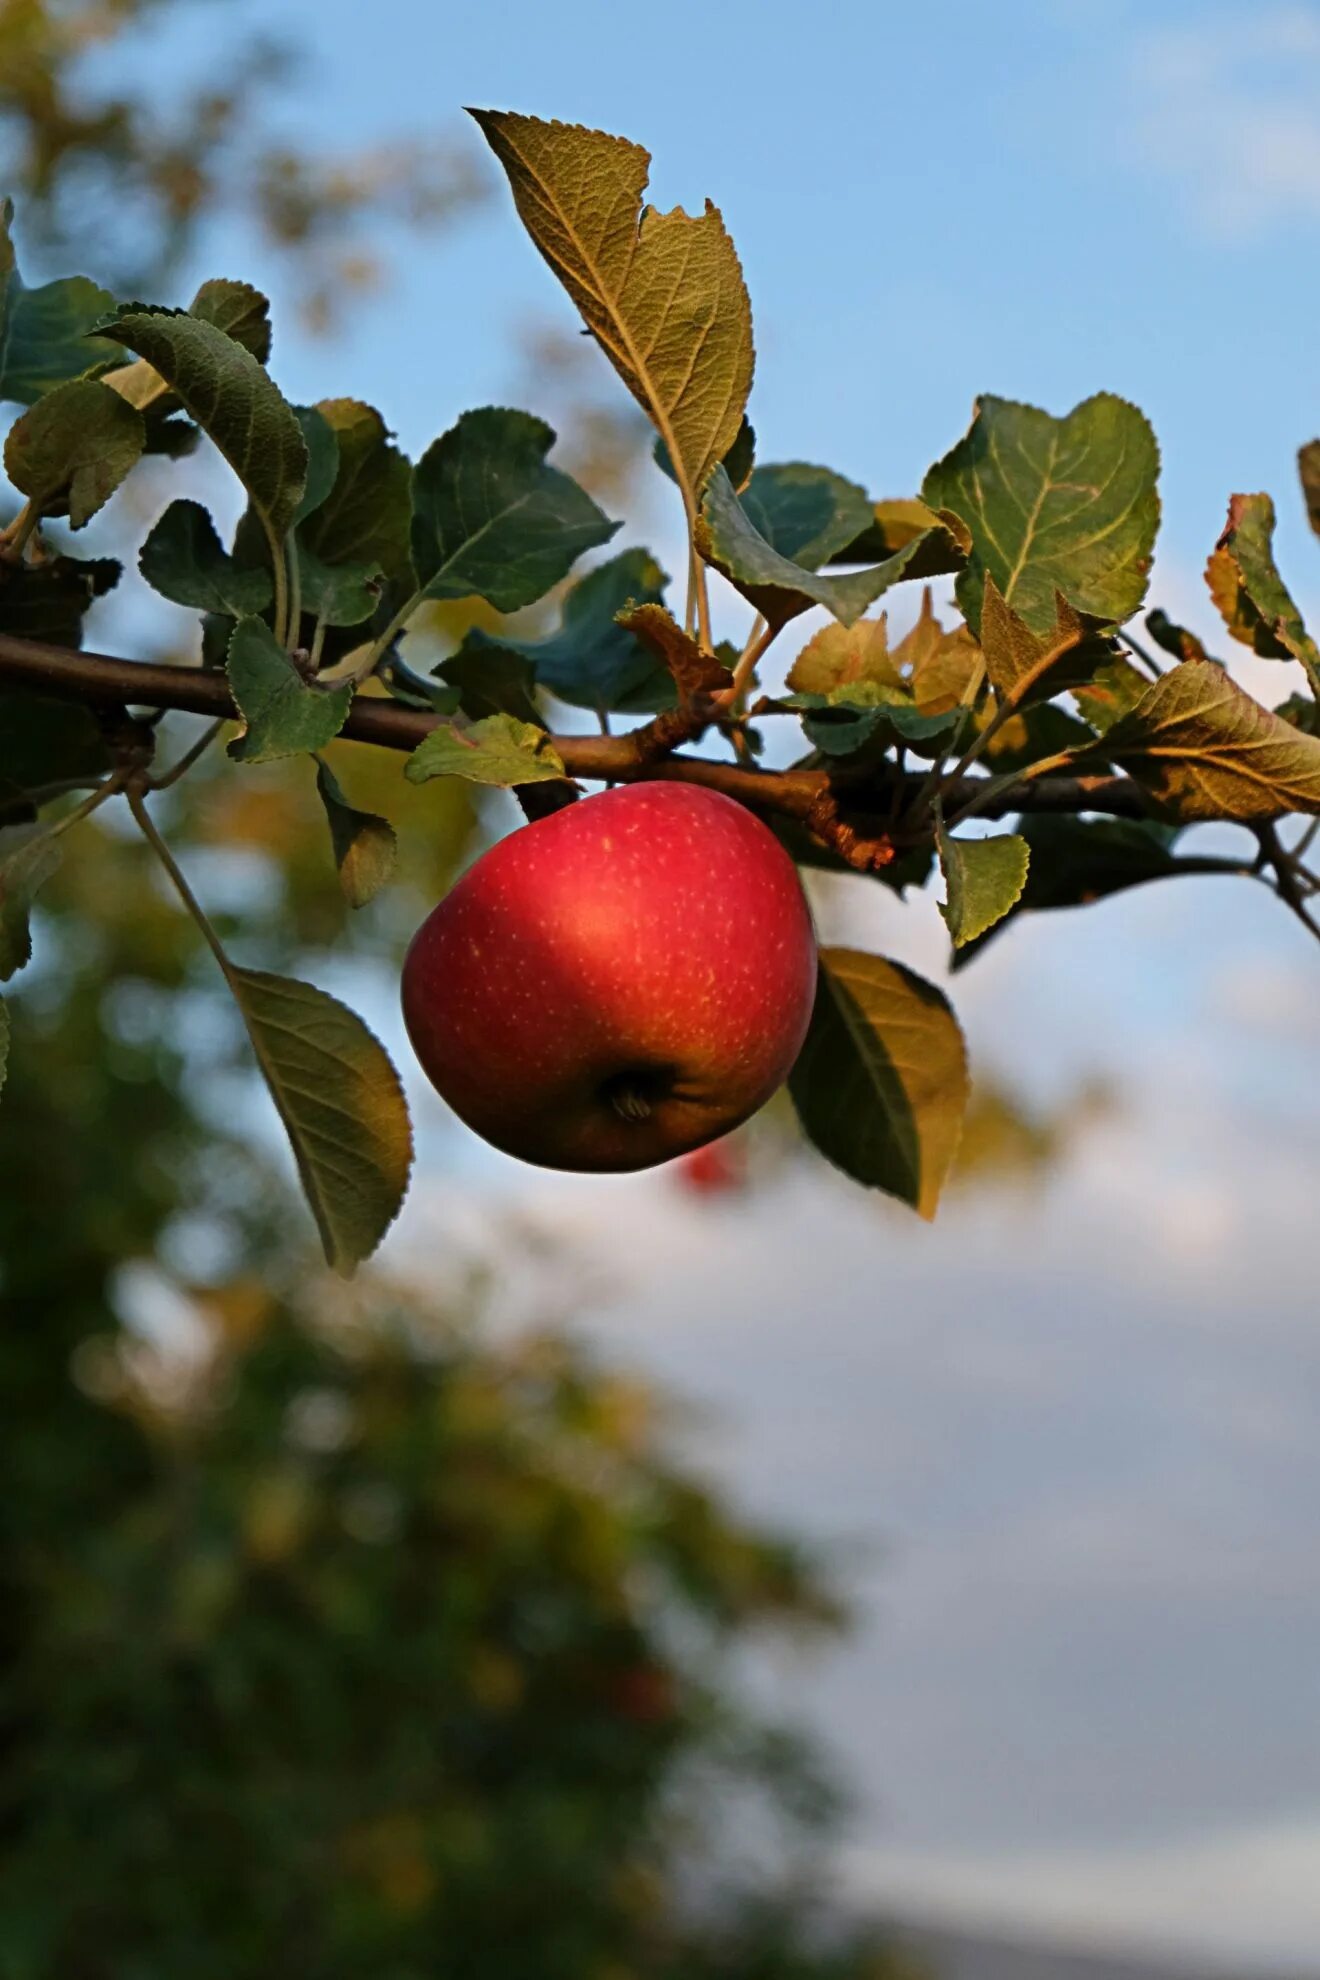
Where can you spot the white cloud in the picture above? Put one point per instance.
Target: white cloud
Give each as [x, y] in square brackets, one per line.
[1251, 1894]
[1230, 106]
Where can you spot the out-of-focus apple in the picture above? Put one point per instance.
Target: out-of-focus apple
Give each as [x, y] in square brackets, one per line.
[618, 983]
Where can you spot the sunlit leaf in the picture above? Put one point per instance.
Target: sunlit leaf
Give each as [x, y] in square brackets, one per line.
[1204, 749]
[1253, 600]
[1024, 666]
[1054, 505]
[497, 750]
[983, 880]
[881, 1085]
[342, 1106]
[662, 293]
[693, 671]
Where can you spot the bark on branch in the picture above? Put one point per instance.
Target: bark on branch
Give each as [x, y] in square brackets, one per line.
[99, 679]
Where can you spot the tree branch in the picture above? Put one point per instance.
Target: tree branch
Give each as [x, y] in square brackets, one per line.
[811, 795]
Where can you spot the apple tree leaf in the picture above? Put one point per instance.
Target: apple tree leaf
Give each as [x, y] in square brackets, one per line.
[238, 309]
[26, 864]
[592, 661]
[69, 452]
[322, 445]
[49, 601]
[283, 715]
[773, 583]
[1024, 666]
[805, 513]
[1054, 505]
[1253, 600]
[983, 880]
[365, 846]
[183, 559]
[497, 750]
[881, 1084]
[491, 519]
[1111, 692]
[842, 656]
[892, 525]
[366, 515]
[1174, 639]
[488, 679]
[662, 293]
[1203, 748]
[4, 1042]
[233, 399]
[693, 672]
[341, 594]
[44, 742]
[45, 333]
[342, 1106]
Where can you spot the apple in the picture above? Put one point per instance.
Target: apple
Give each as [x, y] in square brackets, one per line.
[615, 984]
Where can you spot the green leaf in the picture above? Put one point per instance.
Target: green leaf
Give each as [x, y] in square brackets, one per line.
[48, 601]
[25, 866]
[738, 462]
[777, 587]
[72, 449]
[1204, 749]
[44, 333]
[662, 293]
[364, 845]
[805, 513]
[1308, 469]
[491, 520]
[1054, 505]
[592, 661]
[232, 398]
[4, 1042]
[341, 594]
[983, 880]
[1076, 861]
[44, 742]
[881, 1084]
[341, 1104]
[367, 514]
[498, 750]
[1023, 667]
[322, 445]
[1301, 712]
[1253, 600]
[236, 308]
[283, 714]
[489, 679]
[183, 559]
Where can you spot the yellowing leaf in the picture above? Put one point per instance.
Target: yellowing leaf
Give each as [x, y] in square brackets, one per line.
[1204, 749]
[341, 1103]
[498, 750]
[1254, 602]
[662, 293]
[881, 1084]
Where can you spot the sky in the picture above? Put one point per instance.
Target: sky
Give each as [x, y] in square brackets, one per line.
[1065, 1440]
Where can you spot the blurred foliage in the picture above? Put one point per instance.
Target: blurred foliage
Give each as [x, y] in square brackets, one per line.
[119, 170]
[336, 1635]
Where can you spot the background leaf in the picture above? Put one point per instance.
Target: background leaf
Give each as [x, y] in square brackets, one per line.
[49, 601]
[1066, 505]
[283, 714]
[881, 1085]
[183, 559]
[342, 1106]
[662, 293]
[364, 844]
[72, 449]
[4, 1042]
[983, 880]
[48, 742]
[805, 513]
[1204, 749]
[499, 750]
[25, 865]
[366, 516]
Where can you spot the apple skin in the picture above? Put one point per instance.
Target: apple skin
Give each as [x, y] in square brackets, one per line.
[615, 984]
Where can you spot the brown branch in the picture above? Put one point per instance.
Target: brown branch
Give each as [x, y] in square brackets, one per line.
[805, 794]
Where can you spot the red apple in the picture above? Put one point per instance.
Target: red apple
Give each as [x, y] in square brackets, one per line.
[615, 984]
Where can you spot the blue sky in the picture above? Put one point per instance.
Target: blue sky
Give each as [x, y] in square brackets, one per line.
[1082, 1427]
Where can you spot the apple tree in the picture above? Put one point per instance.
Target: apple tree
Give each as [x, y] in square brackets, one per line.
[1023, 745]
